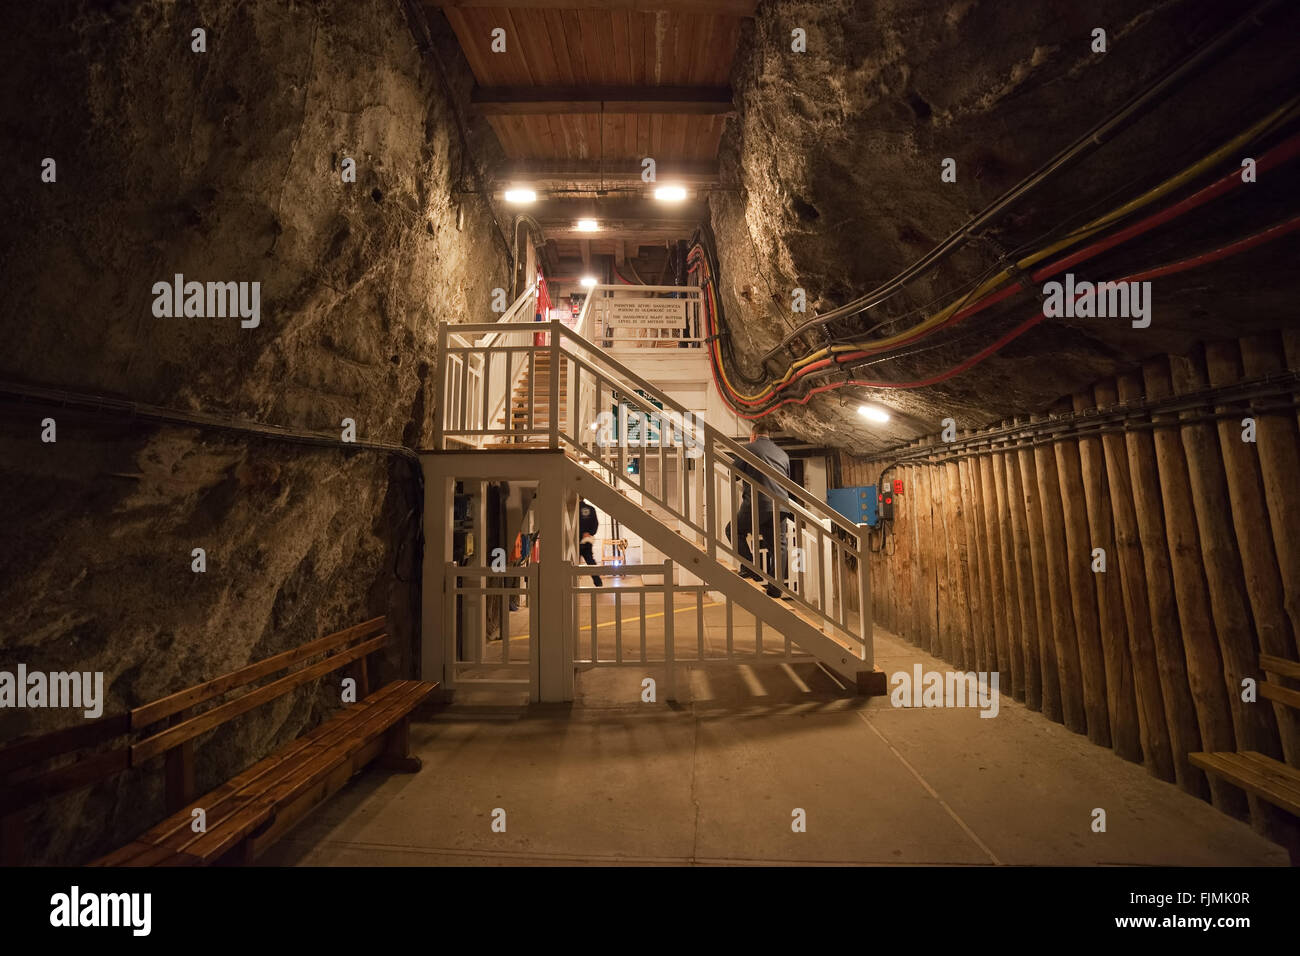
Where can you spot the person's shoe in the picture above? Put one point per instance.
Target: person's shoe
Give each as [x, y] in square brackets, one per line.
[746, 573]
[597, 582]
[771, 591]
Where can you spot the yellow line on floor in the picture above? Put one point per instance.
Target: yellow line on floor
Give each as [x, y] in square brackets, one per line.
[600, 624]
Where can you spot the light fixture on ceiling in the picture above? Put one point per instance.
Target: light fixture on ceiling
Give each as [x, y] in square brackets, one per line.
[670, 193]
[873, 413]
[520, 195]
[587, 225]
[587, 281]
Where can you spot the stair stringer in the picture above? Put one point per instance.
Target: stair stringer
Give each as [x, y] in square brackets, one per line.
[772, 612]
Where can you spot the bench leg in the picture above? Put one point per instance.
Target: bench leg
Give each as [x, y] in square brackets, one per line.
[179, 777]
[397, 750]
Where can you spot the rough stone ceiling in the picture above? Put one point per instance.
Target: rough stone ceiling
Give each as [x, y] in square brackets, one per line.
[837, 152]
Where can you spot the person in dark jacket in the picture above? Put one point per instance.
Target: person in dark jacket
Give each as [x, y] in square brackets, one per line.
[588, 525]
[772, 496]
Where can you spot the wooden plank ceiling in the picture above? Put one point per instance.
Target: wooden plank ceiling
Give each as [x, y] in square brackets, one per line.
[587, 88]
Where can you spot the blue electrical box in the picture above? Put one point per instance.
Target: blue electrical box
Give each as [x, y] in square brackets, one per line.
[857, 504]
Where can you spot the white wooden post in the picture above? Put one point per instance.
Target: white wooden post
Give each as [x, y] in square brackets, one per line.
[670, 667]
[554, 420]
[439, 386]
[864, 598]
[476, 618]
[550, 590]
[710, 495]
[437, 552]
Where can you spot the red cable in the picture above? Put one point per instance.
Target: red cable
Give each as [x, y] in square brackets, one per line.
[1284, 152]
[1250, 242]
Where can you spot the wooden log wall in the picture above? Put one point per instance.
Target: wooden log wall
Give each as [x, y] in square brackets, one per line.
[995, 558]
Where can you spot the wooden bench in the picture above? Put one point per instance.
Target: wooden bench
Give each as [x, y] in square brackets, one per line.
[243, 816]
[1271, 780]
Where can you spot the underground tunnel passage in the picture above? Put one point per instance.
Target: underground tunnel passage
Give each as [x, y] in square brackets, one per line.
[734, 432]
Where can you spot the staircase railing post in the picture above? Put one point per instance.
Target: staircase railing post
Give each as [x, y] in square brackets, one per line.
[669, 643]
[710, 516]
[866, 624]
[554, 420]
[439, 378]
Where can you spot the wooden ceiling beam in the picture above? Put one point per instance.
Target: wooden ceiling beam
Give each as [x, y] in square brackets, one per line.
[645, 231]
[723, 8]
[569, 211]
[553, 100]
[612, 171]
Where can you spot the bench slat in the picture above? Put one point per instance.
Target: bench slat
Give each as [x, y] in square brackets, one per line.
[29, 750]
[1279, 665]
[1263, 776]
[378, 719]
[159, 743]
[159, 856]
[250, 799]
[1283, 695]
[1282, 774]
[235, 804]
[389, 714]
[153, 712]
[74, 776]
[220, 803]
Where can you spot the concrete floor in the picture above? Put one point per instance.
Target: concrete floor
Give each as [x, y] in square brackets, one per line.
[714, 779]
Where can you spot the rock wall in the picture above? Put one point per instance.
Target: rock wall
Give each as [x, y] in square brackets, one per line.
[223, 165]
[835, 155]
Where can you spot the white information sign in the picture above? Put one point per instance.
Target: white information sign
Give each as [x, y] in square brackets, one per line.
[647, 313]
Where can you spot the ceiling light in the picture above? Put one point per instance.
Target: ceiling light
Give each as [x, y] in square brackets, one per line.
[587, 225]
[670, 193]
[873, 413]
[588, 281]
[521, 195]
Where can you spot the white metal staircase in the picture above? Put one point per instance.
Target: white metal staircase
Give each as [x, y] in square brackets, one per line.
[521, 398]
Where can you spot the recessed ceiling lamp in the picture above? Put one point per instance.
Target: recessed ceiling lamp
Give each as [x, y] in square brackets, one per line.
[520, 196]
[587, 225]
[873, 413]
[670, 193]
[588, 281]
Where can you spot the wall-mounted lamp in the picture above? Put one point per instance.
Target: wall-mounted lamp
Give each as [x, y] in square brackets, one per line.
[873, 413]
[587, 281]
[587, 225]
[520, 196]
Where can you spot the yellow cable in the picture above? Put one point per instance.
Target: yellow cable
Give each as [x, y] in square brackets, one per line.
[1280, 115]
